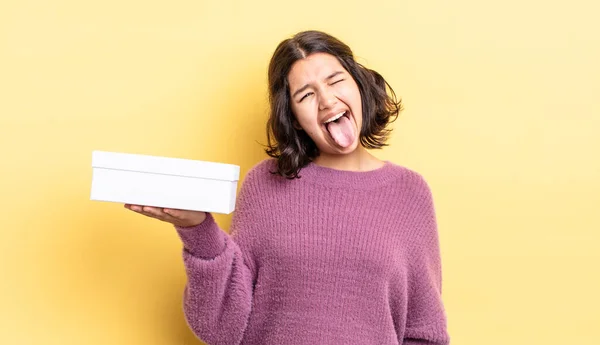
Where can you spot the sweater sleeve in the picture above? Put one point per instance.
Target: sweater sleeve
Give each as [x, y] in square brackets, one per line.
[426, 318]
[220, 271]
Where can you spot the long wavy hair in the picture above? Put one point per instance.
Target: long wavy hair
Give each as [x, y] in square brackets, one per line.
[293, 148]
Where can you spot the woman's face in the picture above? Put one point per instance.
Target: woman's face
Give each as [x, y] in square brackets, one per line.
[326, 103]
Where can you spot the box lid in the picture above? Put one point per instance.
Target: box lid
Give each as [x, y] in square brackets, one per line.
[165, 165]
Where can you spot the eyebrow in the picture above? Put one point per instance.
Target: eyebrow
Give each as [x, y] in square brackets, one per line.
[332, 75]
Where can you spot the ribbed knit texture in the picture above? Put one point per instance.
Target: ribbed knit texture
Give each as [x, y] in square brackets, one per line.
[335, 257]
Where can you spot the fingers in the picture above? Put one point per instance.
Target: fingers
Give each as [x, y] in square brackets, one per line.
[167, 215]
[157, 213]
[134, 208]
[173, 213]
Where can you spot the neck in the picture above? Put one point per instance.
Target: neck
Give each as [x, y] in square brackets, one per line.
[358, 160]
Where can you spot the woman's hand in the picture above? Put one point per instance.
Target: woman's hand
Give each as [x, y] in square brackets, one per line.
[181, 218]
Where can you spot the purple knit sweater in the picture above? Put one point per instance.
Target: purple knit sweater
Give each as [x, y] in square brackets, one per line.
[336, 257]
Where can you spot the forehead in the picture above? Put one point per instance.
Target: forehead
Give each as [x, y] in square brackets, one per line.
[313, 67]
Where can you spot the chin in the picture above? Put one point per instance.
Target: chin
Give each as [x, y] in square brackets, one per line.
[351, 149]
[333, 149]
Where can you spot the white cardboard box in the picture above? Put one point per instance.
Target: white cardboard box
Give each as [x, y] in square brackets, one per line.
[164, 182]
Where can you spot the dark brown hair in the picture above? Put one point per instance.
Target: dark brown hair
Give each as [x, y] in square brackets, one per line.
[293, 148]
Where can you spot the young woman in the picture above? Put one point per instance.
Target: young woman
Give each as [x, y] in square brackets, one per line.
[328, 244]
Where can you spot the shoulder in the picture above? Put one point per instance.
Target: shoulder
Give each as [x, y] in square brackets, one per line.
[266, 165]
[410, 181]
[261, 171]
[415, 199]
[261, 175]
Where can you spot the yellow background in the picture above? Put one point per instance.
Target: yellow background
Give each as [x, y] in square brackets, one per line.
[502, 118]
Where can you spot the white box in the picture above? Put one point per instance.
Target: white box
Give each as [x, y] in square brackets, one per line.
[164, 182]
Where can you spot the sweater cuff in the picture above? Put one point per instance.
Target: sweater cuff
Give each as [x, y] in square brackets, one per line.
[205, 240]
[435, 333]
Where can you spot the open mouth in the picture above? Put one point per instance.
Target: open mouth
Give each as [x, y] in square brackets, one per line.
[337, 117]
[341, 129]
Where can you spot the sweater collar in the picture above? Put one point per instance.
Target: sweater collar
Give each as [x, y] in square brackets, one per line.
[346, 178]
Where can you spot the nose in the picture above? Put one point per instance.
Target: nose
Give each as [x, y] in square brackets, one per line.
[327, 100]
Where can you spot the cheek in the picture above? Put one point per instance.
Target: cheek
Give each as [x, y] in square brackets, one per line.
[351, 96]
[302, 119]
[299, 116]
[304, 113]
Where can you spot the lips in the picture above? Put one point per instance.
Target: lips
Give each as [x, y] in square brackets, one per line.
[341, 129]
[333, 117]
[336, 117]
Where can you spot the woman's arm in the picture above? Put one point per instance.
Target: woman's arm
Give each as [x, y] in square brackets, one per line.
[426, 318]
[220, 272]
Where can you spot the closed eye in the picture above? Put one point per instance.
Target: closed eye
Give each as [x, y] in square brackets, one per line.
[306, 95]
[337, 81]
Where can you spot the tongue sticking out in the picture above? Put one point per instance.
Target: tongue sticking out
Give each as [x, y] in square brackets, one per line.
[342, 131]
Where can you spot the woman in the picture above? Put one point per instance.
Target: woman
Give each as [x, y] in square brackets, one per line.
[328, 244]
